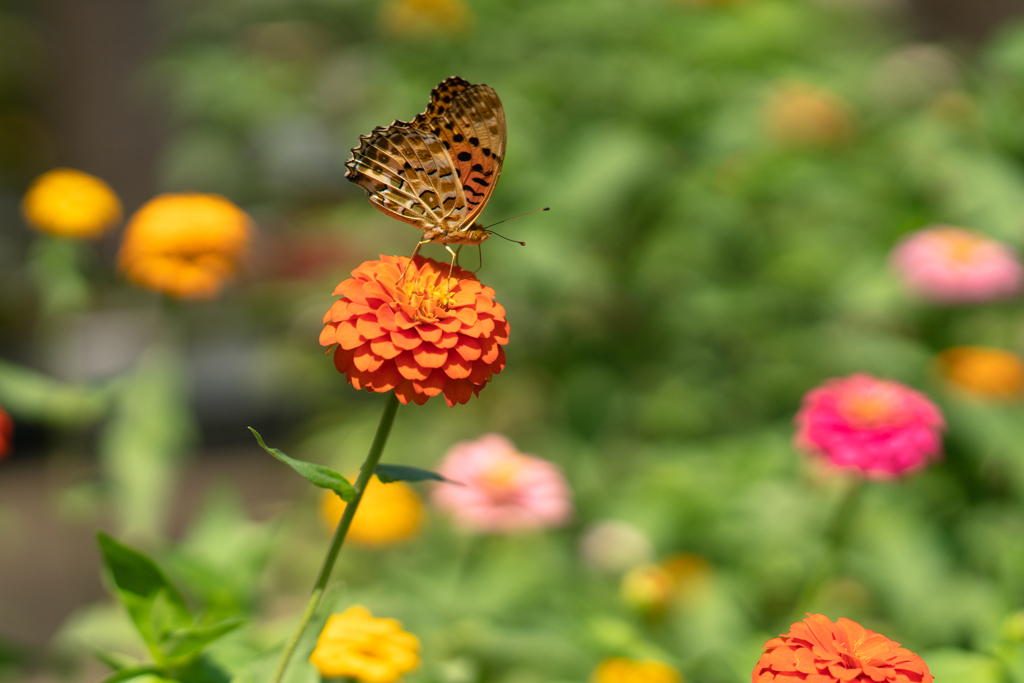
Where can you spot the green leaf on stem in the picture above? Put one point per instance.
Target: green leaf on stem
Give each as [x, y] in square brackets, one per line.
[187, 642]
[130, 673]
[115, 660]
[154, 605]
[391, 473]
[318, 475]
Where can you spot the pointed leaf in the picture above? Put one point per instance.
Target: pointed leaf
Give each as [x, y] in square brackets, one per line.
[152, 602]
[130, 673]
[115, 660]
[391, 473]
[318, 475]
[202, 670]
[188, 642]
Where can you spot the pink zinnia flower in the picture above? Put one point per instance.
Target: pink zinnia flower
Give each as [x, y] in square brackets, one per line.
[880, 427]
[502, 490]
[949, 265]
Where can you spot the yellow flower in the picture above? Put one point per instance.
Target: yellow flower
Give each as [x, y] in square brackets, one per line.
[424, 18]
[388, 513]
[649, 588]
[983, 372]
[622, 670]
[801, 115]
[185, 245]
[354, 644]
[69, 203]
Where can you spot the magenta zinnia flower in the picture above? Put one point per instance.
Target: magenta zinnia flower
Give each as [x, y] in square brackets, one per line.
[880, 427]
[502, 490]
[949, 265]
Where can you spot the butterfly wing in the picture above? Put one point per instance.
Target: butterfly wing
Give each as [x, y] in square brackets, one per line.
[408, 174]
[470, 122]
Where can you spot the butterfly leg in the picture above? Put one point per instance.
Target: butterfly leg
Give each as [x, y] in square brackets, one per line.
[414, 252]
[480, 253]
[451, 268]
[457, 252]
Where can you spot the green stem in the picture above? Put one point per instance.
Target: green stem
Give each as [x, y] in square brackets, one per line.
[387, 418]
[835, 537]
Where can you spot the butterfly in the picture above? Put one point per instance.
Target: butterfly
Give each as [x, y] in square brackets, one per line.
[437, 171]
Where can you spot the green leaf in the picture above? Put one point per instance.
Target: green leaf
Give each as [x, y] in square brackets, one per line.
[115, 660]
[128, 674]
[153, 603]
[202, 670]
[187, 642]
[391, 473]
[318, 475]
[34, 396]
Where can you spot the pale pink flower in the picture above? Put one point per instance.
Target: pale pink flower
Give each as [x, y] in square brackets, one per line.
[949, 265]
[502, 490]
[880, 427]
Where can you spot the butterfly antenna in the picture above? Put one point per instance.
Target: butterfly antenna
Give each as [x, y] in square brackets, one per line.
[488, 228]
[507, 239]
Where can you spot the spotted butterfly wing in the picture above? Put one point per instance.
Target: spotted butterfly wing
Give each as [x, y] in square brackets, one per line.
[408, 175]
[470, 122]
[438, 171]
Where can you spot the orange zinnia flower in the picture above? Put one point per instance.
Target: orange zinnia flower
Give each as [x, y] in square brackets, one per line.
[186, 245]
[421, 337]
[817, 651]
[983, 372]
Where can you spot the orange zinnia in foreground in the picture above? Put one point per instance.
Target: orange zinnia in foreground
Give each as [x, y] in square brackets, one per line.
[817, 651]
[421, 337]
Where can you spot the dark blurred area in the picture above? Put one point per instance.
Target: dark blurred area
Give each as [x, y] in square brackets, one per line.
[962, 21]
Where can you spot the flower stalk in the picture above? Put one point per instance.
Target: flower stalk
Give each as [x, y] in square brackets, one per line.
[380, 439]
[836, 534]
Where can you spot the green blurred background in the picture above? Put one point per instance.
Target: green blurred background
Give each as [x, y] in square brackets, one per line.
[706, 262]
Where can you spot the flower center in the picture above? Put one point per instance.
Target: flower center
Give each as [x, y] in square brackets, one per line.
[961, 247]
[497, 478]
[872, 407]
[430, 297]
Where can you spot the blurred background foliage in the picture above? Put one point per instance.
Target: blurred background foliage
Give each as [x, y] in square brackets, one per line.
[726, 181]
